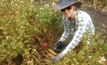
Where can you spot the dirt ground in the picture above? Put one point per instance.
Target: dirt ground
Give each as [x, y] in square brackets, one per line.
[99, 19]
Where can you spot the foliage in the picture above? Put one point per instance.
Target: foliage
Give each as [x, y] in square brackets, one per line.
[89, 55]
[26, 25]
[16, 27]
[21, 21]
[97, 4]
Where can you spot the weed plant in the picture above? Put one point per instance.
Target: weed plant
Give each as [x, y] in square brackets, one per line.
[24, 27]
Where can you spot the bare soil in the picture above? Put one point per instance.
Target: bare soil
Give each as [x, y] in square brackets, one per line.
[100, 21]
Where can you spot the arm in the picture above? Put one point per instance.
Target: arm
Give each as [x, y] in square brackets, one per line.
[75, 41]
[66, 30]
[83, 25]
[77, 37]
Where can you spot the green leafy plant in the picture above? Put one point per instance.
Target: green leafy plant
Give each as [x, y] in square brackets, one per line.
[25, 26]
[21, 22]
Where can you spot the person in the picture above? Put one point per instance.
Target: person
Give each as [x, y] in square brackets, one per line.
[77, 23]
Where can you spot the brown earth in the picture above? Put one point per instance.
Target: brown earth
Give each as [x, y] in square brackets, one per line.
[99, 19]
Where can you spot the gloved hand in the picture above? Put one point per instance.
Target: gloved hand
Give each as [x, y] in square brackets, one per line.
[58, 57]
[59, 46]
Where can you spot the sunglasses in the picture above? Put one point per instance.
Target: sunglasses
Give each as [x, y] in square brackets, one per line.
[67, 8]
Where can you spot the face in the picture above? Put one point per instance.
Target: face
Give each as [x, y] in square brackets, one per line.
[69, 11]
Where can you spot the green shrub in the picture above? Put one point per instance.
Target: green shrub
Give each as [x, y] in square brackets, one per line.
[27, 24]
[20, 22]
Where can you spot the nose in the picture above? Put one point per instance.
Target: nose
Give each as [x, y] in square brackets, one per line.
[66, 10]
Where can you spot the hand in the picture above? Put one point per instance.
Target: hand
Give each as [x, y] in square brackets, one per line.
[58, 57]
[59, 45]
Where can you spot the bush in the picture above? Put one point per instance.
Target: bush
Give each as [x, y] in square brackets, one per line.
[24, 28]
[21, 22]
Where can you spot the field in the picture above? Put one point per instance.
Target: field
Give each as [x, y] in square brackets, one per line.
[29, 30]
